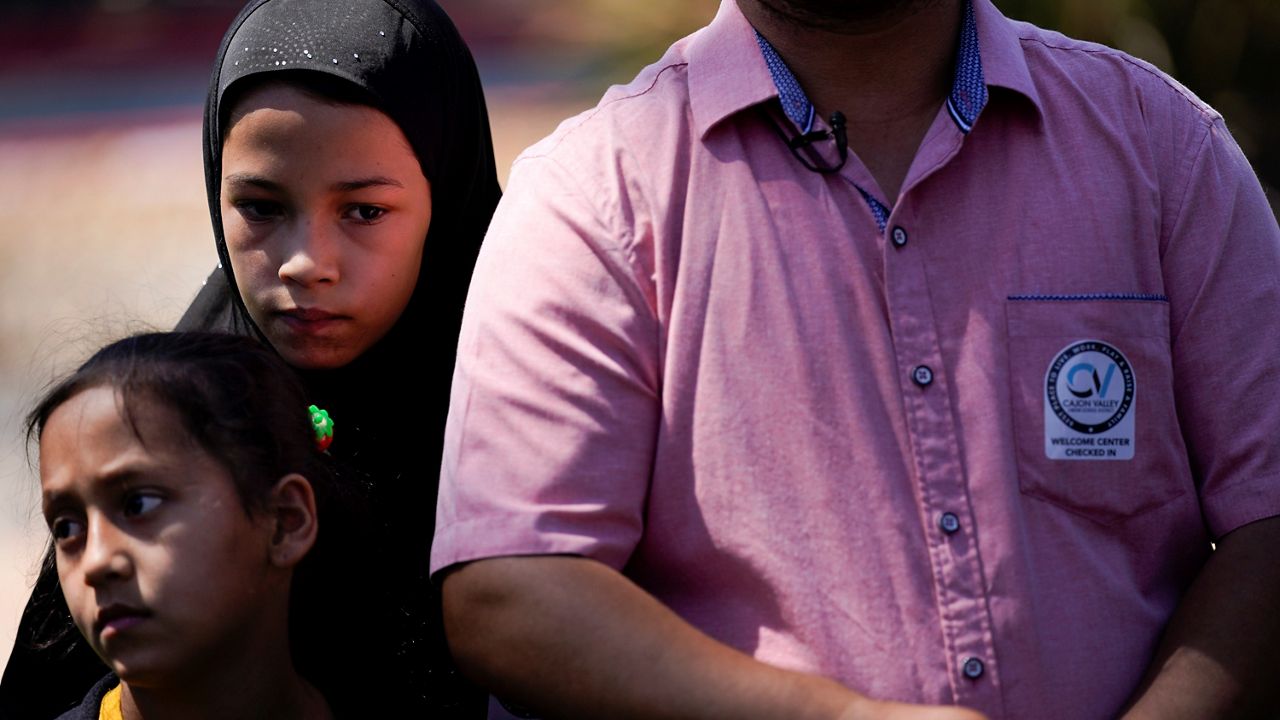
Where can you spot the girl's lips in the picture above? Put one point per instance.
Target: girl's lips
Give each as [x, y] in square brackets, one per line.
[121, 624]
[116, 619]
[309, 320]
[309, 314]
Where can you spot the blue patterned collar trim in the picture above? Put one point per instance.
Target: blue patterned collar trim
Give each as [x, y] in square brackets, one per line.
[968, 88]
[795, 103]
[878, 210]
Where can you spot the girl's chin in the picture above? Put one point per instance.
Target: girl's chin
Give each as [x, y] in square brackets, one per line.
[140, 669]
[316, 360]
[313, 355]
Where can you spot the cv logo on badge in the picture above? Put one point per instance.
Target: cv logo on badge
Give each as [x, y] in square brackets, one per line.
[1089, 386]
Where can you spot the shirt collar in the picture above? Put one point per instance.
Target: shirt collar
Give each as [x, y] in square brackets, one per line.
[732, 67]
[968, 94]
[726, 71]
[1004, 65]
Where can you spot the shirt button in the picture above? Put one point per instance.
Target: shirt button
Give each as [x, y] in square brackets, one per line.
[973, 668]
[922, 375]
[899, 236]
[949, 523]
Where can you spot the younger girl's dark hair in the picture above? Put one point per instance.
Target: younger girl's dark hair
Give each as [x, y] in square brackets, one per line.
[235, 398]
[243, 406]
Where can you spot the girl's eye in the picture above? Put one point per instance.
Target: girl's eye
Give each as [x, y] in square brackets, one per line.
[139, 503]
[65, 528]
[366, 213]
[258, 210]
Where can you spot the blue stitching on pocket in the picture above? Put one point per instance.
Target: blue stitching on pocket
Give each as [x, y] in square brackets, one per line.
[1120, 297]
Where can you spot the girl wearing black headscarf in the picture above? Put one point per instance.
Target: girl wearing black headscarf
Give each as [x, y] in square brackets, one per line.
[378, 362]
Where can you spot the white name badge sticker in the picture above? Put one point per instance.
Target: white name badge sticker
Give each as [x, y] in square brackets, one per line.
[1089, 398]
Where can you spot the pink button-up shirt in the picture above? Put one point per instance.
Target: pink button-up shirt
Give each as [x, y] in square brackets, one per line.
[973, 456]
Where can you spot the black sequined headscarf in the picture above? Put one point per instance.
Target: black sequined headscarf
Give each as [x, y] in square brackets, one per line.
[408, 57]
[389, 405]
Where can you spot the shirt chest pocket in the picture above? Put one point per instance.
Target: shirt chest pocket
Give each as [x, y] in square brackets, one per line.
[1094, 418]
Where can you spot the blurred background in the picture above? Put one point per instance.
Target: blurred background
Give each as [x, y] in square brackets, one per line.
[103, 224]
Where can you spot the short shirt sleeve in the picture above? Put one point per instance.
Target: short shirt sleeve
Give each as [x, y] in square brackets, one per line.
[555, 403]
[1222, 271]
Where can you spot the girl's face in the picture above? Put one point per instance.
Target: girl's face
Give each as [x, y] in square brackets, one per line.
[324, 209]
[163, 570]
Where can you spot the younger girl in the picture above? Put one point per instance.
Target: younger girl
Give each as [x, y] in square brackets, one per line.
[177, 477]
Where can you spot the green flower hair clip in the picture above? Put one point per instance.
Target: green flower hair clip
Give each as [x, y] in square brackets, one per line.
[323, 425]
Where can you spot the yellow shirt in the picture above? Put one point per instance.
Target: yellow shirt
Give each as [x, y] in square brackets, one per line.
[110, 707]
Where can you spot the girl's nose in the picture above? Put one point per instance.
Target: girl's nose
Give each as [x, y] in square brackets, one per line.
[106, 557]
[311, 255]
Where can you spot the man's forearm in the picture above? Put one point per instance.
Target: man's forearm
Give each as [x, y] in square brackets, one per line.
[1219, 656]
[570, 637]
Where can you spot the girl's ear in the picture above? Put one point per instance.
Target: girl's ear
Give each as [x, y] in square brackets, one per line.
[292, 512]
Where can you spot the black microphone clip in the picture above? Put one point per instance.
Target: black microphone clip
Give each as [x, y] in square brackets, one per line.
[838, 132]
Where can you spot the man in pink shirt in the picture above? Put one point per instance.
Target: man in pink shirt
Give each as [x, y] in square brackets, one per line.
[863, 358]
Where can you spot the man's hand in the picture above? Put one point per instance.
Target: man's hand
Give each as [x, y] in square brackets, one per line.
[572, 638]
